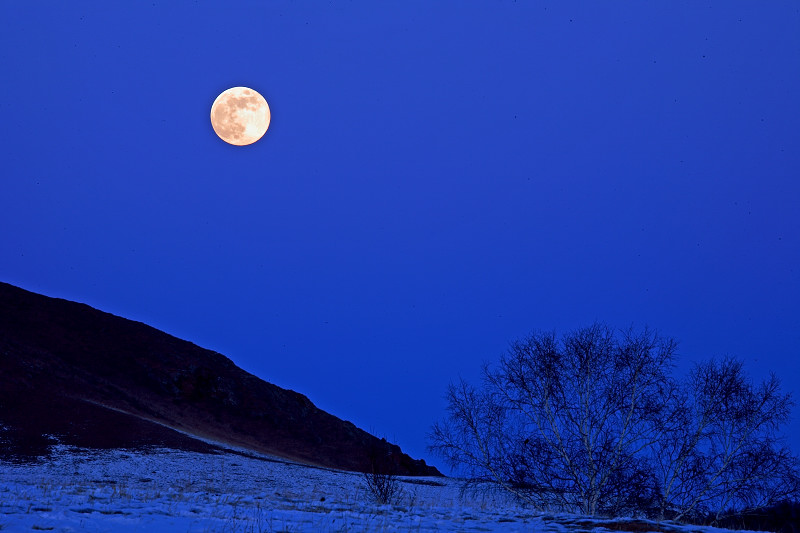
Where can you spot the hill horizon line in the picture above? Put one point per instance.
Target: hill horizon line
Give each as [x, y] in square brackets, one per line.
[90, 378]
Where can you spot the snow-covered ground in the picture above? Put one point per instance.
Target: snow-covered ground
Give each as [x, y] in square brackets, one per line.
[172, 491]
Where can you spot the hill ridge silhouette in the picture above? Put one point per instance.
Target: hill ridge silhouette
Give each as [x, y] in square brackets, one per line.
[80, 376]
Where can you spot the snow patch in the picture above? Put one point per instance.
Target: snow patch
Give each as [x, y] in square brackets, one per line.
[164, 490]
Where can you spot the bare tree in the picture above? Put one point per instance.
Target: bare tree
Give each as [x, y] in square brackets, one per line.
[722, 449]
[477, 437]
[594, 422]
[561, 422]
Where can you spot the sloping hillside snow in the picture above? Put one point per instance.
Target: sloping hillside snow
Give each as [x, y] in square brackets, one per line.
[168, 491]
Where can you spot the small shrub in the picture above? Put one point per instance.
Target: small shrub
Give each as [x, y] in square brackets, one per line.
[382, 480]
[383, 486]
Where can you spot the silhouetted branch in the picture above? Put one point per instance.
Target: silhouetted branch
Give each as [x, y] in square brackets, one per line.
[594, 422]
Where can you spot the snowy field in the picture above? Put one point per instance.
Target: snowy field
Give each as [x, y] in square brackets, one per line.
[171, 491]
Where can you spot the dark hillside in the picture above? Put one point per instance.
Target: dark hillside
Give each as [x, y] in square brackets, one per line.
[94, 379]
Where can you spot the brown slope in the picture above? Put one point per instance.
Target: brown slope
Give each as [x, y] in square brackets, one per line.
[95, 379]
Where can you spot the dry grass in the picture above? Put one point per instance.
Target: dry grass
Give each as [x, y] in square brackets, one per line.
[628, 526]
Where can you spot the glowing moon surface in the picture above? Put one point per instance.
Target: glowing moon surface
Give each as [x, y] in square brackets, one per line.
[240, 116]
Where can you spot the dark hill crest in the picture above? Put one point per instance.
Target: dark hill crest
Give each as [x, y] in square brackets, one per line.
[93, 379]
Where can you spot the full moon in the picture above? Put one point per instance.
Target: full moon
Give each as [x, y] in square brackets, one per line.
[240, 116]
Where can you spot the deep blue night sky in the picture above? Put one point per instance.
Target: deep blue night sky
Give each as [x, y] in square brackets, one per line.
[439, 179]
